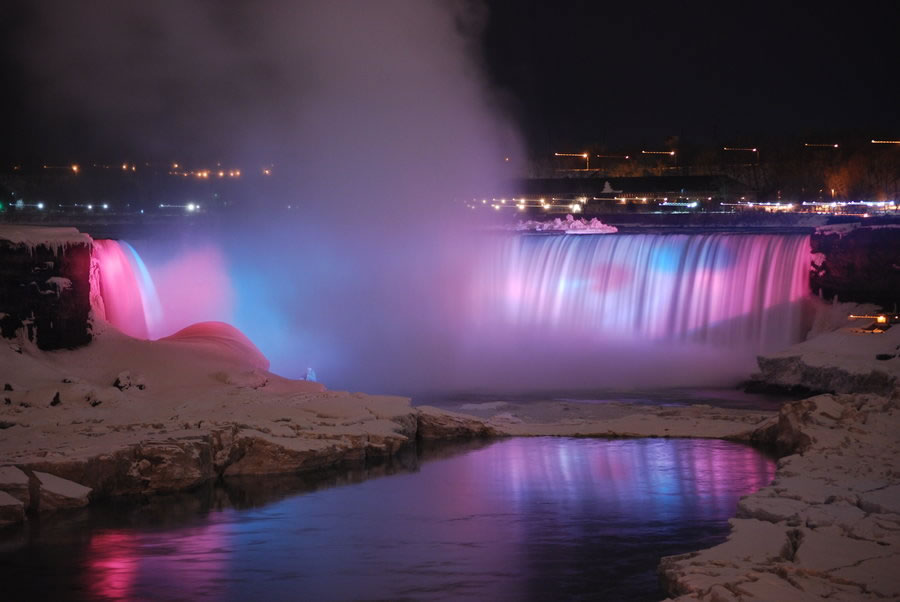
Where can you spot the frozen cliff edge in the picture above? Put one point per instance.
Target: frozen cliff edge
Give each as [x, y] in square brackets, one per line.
[126, 417]
[848, 360]
[829, 524]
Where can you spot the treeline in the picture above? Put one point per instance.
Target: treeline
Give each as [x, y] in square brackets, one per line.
[815, 169]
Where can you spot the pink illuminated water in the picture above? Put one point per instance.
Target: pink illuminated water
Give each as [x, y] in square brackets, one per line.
[720, 289]
[524, 518]
[151, 302]
[511, 311]
[128, 298]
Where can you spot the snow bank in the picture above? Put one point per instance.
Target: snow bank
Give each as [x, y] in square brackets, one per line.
[222, 339]
[848, 360]
[829, 524]
[36, 236]
[570, 225]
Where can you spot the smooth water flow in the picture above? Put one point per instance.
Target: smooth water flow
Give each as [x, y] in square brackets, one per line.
[502, 312]
[127, 296]
[719, 289]
[534, 518]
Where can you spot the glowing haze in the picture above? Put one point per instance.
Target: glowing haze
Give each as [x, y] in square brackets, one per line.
[377, 120]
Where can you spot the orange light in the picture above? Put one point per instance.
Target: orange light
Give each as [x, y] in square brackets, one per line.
[75, 168]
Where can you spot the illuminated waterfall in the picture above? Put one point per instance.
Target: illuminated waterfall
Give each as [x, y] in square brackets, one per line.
[127, 296]
[722, 289]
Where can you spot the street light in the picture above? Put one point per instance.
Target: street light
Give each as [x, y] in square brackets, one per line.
[584, 156]
[613, 156]
[744, 149]
[815, 144]
[885, 141]
[670, 153]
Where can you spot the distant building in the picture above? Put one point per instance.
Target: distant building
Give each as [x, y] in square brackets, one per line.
[598, 194]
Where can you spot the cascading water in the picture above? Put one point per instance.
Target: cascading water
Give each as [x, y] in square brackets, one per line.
[517, 311]
[123, 291]
[721, 289]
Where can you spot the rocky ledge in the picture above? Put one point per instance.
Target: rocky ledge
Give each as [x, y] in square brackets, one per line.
[847, 360]
[146, 417]
[829, 524]
[322, 431]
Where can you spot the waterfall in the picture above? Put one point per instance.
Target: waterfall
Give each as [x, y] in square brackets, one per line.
[735, 290]
[127, 297]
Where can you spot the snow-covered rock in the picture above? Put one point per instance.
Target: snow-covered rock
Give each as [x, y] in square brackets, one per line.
[848, 360]
[185, 410]
[833, 506]
[568, 225]
[12, 510]
[15, 482]
[57, 493]
[440, 424]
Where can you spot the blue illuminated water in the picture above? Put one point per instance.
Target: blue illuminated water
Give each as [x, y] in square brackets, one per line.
[518, 519]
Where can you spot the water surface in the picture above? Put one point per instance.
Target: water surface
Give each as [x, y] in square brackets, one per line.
[518, 519]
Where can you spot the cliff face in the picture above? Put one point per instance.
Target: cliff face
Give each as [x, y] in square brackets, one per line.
[45, 286]
[862, 265]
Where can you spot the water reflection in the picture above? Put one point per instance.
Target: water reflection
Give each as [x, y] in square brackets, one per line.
[518, 519]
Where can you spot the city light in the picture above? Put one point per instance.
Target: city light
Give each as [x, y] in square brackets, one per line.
[885, 141]
[584, 156]
[75, 168]
[670, 153]
[815, 144]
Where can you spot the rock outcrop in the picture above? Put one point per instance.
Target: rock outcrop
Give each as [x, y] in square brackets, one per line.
[848, 360]
[144, 464]
[45, 285]
[861, 264]
[829, 524]
[12, 510]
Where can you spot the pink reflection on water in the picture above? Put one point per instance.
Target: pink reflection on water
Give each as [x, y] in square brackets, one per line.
[125, 565]
[656, 475]
[113, 565]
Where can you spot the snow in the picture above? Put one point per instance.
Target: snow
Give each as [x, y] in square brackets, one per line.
[829, 518]
[570, 226]
[850, 349]
[61, 487]
[36, 236]
[221, 339]
[842, 229]
[839, 229]
[59, 283]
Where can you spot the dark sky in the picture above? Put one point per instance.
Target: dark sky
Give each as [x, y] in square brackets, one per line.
[625, 73]
[571, 73]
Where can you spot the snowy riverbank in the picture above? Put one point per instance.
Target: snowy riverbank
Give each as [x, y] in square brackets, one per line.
[829, 524]
[128, 417]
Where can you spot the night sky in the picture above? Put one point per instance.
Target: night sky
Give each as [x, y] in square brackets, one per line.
[624, 73]
[570, 74]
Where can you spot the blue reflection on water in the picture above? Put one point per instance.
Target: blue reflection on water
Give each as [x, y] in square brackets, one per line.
[536, 518]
